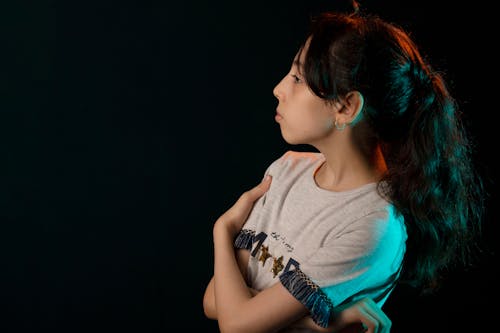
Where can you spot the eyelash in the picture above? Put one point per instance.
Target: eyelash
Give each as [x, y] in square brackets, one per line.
[296, 78]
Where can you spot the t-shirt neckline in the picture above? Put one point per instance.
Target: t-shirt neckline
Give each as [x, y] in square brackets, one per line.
[318, 189]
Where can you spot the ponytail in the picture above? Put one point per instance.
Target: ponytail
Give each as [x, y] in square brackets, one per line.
[433, 184]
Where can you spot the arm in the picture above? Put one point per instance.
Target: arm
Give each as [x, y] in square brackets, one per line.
[239, 309]
[275, 308]
[363, 315]
[242, 257]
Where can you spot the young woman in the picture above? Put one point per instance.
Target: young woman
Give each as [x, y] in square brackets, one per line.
[391, 196]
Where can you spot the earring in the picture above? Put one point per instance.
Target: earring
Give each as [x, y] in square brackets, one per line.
[341, 127]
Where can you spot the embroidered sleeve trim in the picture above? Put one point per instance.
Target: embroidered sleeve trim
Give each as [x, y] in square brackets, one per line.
[244, 239]
[309, 294]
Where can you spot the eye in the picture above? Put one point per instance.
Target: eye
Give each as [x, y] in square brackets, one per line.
[296, 78]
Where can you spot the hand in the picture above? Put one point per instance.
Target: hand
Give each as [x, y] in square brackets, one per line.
[234, 218]
[361, 316]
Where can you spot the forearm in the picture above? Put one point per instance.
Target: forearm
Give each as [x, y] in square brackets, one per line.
[308, 323]
[230, 288]
[209, 300]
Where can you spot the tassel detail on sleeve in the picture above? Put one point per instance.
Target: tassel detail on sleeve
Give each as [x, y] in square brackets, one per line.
[309, 294]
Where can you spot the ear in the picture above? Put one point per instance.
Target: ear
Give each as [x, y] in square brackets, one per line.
[353, 103]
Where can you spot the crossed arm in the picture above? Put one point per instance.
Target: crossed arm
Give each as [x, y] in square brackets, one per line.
[242, 257]
[238, 308]
[350, 318]
[301, 317]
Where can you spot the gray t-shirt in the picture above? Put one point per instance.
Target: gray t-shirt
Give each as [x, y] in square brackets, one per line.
[327, 248]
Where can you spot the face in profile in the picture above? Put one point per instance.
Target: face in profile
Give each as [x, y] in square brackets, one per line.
[303, 117]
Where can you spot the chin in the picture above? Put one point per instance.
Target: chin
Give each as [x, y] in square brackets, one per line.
[292, 141]
[286, 138]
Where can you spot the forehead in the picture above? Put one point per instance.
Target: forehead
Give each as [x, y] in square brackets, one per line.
[298, 60]
[297, 63]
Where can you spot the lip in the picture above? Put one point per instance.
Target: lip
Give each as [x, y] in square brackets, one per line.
[278, 116]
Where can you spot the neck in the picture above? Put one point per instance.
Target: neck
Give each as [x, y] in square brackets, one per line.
[346, 168]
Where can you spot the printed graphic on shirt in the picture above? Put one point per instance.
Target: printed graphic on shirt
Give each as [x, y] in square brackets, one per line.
[255, 243]
[264, 254]
[290, 275]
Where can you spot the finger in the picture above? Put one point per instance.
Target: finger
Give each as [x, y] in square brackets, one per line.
[260, 189]
[352, 328]
[369, 323]
[384, 321]
[371, 308]
[351, 317]
[266, 181]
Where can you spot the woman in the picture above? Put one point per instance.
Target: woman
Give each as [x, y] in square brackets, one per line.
[390, 197]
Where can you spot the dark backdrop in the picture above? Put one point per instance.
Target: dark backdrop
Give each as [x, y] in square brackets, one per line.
[128, 127]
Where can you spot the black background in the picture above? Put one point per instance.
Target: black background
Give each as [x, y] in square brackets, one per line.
[128, 127]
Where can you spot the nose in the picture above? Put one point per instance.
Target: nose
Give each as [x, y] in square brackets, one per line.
[277, 92]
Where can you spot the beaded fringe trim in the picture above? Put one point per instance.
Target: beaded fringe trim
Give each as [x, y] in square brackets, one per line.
[309, 294]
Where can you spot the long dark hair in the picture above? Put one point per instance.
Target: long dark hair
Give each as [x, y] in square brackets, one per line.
[410, 113]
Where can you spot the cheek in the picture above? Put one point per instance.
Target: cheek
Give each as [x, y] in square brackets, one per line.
[309, 124]
[304, 126]
[309, 114]
[328, 124]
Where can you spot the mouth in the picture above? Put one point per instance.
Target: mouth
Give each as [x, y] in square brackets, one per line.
[278, 116]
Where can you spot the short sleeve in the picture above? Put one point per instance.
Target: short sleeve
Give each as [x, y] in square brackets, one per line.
[364, 260]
